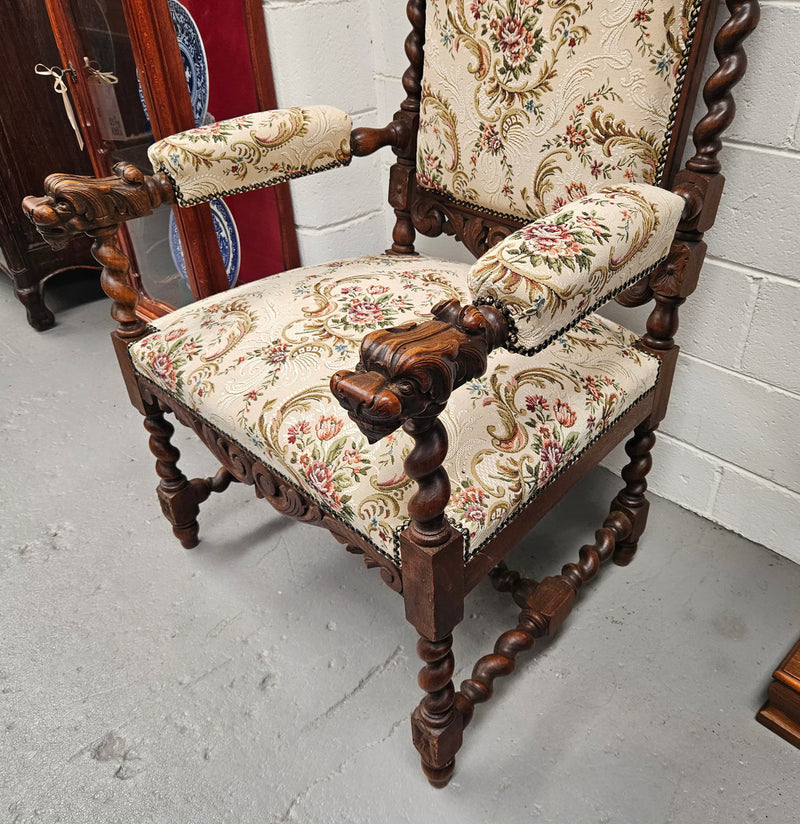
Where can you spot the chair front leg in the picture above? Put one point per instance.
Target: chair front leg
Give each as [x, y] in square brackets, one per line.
[179, 498]
[436, 724]
[405, 378]
[432, 553]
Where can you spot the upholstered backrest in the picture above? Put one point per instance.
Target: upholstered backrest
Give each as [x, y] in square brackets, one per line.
[527, 104]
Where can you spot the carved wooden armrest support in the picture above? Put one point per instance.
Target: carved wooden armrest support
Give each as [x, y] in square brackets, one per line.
[409, 371]
[366, 140]
[73, 204]
[405, 377]
[701, 192]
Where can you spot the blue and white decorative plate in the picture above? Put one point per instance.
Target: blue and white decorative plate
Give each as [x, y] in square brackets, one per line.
[193, 56]
[227, 238]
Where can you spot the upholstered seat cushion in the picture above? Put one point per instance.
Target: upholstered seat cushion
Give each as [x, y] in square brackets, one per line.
[255, 362]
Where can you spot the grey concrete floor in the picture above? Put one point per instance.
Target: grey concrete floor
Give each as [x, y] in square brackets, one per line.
[267, 676]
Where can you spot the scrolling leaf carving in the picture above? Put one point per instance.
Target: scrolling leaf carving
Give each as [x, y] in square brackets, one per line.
[409, 371]
[73, 204]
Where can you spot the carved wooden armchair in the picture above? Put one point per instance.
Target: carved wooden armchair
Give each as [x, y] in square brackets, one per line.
[546, 135]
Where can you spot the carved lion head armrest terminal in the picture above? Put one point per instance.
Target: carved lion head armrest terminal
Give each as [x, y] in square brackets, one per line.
[409, 371]
[74, 205]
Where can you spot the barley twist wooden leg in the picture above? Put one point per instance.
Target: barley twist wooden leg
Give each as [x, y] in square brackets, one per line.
[631, 500]
[435, 724]
[177, 504]
[180, 498]
[504, 579]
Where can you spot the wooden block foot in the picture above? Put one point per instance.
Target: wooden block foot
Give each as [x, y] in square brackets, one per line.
[439, 777]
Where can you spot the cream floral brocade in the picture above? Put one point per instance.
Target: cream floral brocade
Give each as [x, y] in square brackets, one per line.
[529, 104]
[252, 151]
[255, 362]
[562, 266]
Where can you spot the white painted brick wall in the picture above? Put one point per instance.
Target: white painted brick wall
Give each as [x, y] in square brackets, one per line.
[322, 52]
[729, 444]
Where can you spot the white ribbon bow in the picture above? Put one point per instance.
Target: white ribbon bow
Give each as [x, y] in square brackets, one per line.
[93, 70]
[60, 87]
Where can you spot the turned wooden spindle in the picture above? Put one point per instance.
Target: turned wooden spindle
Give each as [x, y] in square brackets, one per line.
[219, 482]
[173, 484]
[632, 498]
[662, 324]
[504, 579]
[414, 45]
[436, 728]
[479, 688]
[180, 498]
[114, 279]
[365, 140]
[700, 185]
[402, 174]
[424, 465]
[405, 377]
[717, 90]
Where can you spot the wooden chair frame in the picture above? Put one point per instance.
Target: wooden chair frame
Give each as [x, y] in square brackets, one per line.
[433, 578]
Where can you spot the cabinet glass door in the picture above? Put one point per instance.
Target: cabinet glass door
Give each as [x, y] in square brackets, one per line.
[109, 66]
[221, 53]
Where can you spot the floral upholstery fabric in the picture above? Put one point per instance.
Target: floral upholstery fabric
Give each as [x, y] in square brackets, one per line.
[256, 361]
[252, 151]
[528, 104]
[559, 268]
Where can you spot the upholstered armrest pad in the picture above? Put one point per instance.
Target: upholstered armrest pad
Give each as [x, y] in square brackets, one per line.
[252, 151]
[555, 271]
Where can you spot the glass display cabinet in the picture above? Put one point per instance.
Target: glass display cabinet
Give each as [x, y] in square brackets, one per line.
[33, 116]
[139, 70]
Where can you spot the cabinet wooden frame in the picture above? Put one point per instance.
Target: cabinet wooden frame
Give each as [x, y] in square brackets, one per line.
[433, 578]
[40, 125]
